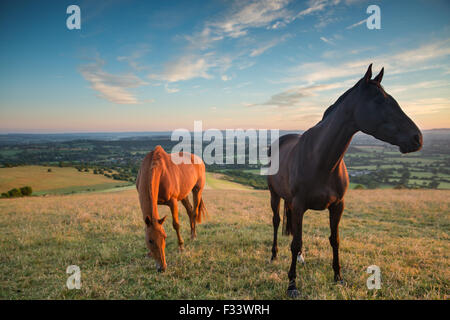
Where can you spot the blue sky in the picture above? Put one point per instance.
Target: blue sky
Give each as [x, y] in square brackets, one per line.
[160, 65]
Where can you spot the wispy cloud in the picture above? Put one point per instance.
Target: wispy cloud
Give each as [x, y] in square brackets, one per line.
[262, 49]
[314, 6]
[426, 106]
[109, 86]
[292, 97]
[266, 46]
[171, 90]
[185, 68]
[191, 66]
[395, 63]
[248, 15]
[420, 85]
[423, 53]
[241, 17]
[326, 40]
[133, 58]
[357, 24]
[236, 22]
[317, 77]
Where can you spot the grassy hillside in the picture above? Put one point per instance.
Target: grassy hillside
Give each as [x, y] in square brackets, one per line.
[406, 233]
[58, 181]
[217, 181]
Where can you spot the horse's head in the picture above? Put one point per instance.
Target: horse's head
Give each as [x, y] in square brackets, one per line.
[155, 239]
[378, 114]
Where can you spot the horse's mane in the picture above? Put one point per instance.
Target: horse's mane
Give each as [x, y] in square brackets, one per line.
[333, 107]
[157, 156]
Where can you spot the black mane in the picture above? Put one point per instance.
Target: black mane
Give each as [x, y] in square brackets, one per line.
[338, 101]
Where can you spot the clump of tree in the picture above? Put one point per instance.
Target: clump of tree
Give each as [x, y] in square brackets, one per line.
[9, 165]
[122, 176]
[18, 192]
[433, 184]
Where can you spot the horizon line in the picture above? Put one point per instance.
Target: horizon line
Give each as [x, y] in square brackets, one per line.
[158, 131]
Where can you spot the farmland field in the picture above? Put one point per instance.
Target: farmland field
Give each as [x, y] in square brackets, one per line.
[216, 181]
[58, 181]
[404, 232]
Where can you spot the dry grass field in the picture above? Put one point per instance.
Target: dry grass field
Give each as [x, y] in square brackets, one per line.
[405, 233]
[59, 180]
[216, 181]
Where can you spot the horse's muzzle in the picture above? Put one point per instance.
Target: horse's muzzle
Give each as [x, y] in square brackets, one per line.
[413, 145]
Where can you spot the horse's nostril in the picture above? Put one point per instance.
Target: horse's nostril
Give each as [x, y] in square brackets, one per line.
[416, 138]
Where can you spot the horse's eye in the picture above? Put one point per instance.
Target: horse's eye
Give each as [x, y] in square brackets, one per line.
[150, 241]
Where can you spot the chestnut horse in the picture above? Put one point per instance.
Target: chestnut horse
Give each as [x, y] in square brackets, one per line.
[312, 172]
[161, 181]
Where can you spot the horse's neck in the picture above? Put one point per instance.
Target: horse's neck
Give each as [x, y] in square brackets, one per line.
[153, 189]
[333, 136]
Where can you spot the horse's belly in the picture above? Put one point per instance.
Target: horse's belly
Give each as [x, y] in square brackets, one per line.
[320, 200]
[163, 194]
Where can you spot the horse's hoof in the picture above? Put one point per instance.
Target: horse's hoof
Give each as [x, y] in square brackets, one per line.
[300, 259]
[293, 293]
[340, 282]
[273, 258]
[181, 249]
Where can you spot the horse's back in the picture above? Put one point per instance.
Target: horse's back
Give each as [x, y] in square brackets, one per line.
[190, 174]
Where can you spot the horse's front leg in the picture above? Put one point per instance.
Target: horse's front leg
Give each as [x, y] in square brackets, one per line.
[336, 210]
[173, 205]
[191, 214]
[296, 244]
[275, 204]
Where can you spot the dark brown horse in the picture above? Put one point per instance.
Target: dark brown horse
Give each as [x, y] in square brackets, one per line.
[161, 181]
[312, 172]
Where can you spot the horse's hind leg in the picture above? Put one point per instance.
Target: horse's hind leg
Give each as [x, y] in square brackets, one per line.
[336, 210]
[197, 195]
[275, 204]
[173, 204]
[190, 212]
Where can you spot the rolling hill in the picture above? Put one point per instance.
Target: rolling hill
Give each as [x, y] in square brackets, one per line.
[404, 232]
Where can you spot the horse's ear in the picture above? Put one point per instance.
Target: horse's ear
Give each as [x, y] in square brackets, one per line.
[379, 77]
[161, 221]
[147, 221]
[368, 74]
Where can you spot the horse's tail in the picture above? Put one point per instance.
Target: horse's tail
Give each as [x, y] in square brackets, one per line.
[201, 211]
[287, 220]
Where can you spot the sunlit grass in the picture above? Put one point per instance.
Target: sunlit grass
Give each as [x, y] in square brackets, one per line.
[58, 181]
[404, 232]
